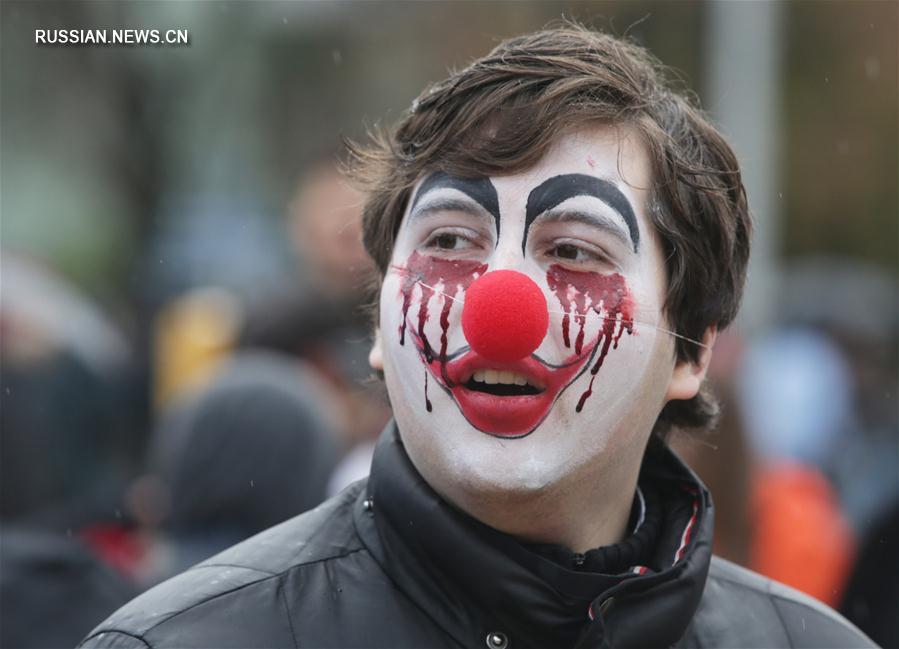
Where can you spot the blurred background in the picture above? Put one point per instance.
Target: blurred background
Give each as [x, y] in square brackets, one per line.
[182, 278]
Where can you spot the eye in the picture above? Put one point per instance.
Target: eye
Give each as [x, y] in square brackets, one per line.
[449, 241]
[577, 254]
[566, 251]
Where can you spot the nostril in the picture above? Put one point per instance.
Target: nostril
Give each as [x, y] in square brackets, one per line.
[505, 316]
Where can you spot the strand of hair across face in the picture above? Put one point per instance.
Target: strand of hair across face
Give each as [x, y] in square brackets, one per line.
[575, 313]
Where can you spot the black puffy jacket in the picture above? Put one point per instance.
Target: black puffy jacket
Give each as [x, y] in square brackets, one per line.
[389, 564]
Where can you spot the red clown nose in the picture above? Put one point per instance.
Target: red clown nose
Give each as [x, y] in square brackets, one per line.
[505, 316]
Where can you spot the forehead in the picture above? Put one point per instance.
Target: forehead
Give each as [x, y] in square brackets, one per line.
[612, 153]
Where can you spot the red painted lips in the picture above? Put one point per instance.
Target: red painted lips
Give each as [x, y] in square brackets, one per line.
[506, 416]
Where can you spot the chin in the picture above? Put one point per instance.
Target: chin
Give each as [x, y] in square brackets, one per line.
[458, 459]
[510, 476]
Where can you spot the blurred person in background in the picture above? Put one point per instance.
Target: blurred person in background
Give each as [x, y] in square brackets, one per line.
[842, 317]
[324, 224]
[805, 450]
[873, 590]
[66, 550]
[483, 522]
[795, 395]
[53, 588]
[855, 307]
[318, 315]
[779, 513]
[194, 333]
[251, 448]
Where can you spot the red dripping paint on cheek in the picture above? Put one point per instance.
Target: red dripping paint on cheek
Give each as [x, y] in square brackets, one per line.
[456, 275]
[607, 295]
[444, 328]
[565, 324]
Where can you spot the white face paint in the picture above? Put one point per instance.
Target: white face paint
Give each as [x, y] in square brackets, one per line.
[577, 225]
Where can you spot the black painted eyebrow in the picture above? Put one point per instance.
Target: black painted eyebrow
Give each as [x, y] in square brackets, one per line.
[555, 190]
[481, 190]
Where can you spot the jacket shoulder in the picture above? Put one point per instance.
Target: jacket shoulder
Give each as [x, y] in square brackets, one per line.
[740, 608]
[236, 597]
[325, 532]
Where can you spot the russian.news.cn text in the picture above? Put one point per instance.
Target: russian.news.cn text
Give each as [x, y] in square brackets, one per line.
[87, 37]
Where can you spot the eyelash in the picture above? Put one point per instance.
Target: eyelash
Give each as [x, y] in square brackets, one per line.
[594, 255]
[431, 241]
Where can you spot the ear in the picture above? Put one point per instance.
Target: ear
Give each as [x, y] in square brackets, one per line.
[376, 355]
[687, 376]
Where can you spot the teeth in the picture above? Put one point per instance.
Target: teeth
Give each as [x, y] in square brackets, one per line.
[492, 377]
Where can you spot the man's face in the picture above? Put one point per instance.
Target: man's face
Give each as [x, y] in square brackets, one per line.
[577, 225]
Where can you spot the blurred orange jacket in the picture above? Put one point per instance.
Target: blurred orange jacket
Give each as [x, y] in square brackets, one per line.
[801, 537]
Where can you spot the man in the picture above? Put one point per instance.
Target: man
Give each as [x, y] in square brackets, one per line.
[559, 238]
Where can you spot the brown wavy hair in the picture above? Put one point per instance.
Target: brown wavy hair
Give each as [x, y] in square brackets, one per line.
[501, 114]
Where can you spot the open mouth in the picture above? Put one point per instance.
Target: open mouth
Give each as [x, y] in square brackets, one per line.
[504, 399]
[501, 384]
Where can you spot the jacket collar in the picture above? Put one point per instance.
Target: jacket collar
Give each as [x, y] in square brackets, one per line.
[474, 581]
